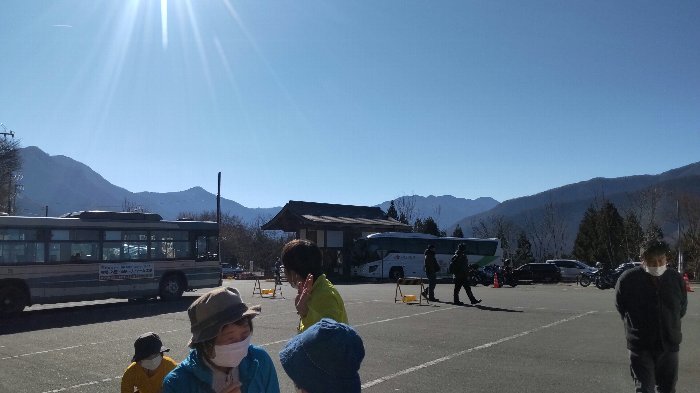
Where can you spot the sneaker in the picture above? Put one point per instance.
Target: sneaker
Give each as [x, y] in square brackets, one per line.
[432, 299]
[476, 301]
[458, 303]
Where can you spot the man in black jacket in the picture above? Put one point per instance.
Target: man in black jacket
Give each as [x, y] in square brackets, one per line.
[431, 268]
[651, 300]
[460, 269]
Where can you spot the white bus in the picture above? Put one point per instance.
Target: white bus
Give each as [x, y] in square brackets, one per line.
[98, 255]
[397, 254]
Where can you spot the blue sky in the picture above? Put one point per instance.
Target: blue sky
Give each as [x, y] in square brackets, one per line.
[354, 102]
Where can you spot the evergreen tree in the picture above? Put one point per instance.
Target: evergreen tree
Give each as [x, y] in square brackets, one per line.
[418, 226]
[403, 218]
[587, 237]
[430, 227]
[458, 232]
[612, 229]
[523, 254]
[601, 236]
[391, 212]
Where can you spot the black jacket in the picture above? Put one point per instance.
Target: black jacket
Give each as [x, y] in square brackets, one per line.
[431, 263]
[652, 308]
[461, 265]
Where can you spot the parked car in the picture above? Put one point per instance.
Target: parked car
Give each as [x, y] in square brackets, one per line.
[571, 268]
[538, 272]
[626, 266]
[229, 271]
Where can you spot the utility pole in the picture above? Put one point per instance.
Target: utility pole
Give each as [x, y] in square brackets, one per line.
[5, 131]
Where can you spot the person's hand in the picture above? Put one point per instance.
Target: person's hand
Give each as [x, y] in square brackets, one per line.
[303, 294]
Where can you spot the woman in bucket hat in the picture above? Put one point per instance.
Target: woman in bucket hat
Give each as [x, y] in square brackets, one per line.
[325, 358]
[148, 367]
[222, 360]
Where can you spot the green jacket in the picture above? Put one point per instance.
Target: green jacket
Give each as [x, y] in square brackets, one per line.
[325, 302]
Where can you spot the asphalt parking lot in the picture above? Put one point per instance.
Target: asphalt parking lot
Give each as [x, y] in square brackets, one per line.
[532, 338]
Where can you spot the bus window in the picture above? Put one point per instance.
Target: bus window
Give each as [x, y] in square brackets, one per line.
[73, 245]
[207, 248]
[170, 245]
[125, 245]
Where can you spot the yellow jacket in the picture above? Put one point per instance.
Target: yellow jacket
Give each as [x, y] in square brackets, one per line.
[135, 377]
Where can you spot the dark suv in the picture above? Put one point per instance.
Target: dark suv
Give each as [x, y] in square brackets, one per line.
[538, 272]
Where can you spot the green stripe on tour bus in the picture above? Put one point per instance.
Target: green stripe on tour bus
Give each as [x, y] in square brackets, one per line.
[485, 261]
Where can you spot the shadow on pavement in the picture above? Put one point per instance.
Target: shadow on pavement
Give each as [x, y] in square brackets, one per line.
[78, 315]
[487, 308]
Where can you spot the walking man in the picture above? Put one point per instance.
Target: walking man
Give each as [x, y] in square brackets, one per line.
[651, 300]
[460, 269]
[431, 268]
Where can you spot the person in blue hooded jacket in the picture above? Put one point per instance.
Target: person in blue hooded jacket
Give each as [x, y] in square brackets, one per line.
[222, 360]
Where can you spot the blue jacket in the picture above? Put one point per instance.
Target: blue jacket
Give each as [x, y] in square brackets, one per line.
[257, 374]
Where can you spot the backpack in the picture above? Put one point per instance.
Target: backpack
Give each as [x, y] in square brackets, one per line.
[452, 269]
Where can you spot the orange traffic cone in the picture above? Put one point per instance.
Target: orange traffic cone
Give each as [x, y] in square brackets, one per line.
[495, 281]
[687, 283]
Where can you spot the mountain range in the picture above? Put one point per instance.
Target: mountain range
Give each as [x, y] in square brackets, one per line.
[65, 185]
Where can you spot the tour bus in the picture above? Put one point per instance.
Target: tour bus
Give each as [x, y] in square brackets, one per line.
[97, 255]
[397, 254]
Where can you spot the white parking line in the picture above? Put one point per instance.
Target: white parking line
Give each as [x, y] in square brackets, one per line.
[82, 385]
[460, 353]
[131, 338]
[371, 383]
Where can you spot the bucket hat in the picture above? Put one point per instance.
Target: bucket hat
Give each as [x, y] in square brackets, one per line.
[146, 345]
[325, 358]
[216, 308]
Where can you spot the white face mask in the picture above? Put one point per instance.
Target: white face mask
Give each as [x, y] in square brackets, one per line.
[230, 355]
[655, 270]
[151, 364]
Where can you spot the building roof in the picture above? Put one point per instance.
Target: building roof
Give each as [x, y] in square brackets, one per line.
[299, 214]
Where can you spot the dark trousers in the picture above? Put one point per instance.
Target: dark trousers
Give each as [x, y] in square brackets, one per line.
[463, 281]
[432, 282]
[653, 370]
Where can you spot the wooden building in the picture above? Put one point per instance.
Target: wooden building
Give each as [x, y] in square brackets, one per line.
[333, 228]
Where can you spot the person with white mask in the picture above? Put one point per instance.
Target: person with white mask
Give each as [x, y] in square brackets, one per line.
[222, 359]
[651, 300]
[149, 366]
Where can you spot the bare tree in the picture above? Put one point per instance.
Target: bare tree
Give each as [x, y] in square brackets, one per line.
[406, 206]
[645, 207]
[10, 164]
[548, 232]
[498, 227]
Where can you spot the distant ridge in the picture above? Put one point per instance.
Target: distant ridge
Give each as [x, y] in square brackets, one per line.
[572, 200]
[66, 185]
[446, 210]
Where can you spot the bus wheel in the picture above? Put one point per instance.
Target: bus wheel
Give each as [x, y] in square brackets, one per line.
[12, 300]
[171, 287]
[395, 273]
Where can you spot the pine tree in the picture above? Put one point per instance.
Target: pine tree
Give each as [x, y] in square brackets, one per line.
[430, 227]
[523, 254]
[458, 232]
[586, 239]
[418, 226]
[391, 212]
